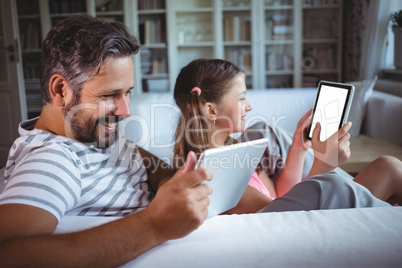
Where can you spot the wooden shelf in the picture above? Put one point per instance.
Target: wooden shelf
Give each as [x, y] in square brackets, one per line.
[254, 55]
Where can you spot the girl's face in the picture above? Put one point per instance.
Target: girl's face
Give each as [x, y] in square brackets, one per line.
[232, 109]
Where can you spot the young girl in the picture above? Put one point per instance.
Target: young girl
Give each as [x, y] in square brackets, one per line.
[211, 95]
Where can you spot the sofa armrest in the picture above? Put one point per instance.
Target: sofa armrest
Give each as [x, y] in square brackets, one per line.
[383, 117]
[362, 237]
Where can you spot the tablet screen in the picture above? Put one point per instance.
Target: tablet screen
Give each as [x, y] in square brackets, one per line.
[330, 109]
[232, 167]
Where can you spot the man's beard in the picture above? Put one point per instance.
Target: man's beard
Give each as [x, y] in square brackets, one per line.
[82, 127]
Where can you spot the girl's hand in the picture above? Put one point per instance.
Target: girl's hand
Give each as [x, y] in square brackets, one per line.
[299, 138]
[332, 152]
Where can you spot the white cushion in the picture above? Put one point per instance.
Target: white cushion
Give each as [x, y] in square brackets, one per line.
[155, 115]
[363, 91]
[280, 107]
[363, 237]
[383, 118]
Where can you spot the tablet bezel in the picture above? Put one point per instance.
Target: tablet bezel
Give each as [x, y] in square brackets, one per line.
[346, 109]
[226, 196]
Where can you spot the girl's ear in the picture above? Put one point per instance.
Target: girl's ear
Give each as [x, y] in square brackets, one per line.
[59, 90]
[210, 111]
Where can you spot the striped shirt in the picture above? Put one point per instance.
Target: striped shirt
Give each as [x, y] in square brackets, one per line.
[66, 177]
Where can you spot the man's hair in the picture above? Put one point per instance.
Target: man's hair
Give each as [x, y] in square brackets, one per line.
[76, 48]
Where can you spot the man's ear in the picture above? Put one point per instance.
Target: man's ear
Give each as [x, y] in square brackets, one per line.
[58, 89]
[210, 111]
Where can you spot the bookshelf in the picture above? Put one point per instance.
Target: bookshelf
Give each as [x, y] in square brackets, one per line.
[153, 54]
[280, 33]
[191, 24]
[30, 36]
[322, 41]
[237, 35]
[278, 43]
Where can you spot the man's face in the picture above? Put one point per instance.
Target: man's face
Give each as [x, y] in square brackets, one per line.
[104, 101]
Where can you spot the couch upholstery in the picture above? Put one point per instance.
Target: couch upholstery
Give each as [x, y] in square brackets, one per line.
[155, 116]
[383, 118]
[364, 237]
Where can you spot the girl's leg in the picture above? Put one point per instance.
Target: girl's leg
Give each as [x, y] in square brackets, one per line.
[383, 177]
[325, 191]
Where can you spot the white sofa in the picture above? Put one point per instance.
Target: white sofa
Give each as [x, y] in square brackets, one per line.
[365, 237]
[368, 237]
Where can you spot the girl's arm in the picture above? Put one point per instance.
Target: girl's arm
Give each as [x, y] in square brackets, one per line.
[328, 154]
[293, 168]
[251, 201]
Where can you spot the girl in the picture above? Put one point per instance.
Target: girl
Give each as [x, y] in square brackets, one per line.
[211, 95]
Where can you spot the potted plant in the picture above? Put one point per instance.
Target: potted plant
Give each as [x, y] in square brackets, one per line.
[396, 20]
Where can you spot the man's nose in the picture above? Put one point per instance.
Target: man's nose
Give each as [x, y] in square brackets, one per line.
[121, 106]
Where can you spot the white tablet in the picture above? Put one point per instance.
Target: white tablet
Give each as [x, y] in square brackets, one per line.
[232, 167]
[331, 107]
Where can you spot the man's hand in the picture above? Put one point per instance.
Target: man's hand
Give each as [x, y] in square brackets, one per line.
[331, 153]
[180, 205]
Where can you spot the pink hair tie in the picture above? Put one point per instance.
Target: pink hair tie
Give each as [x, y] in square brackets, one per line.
[197, 89]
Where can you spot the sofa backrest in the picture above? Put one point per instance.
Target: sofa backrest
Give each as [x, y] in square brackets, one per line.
[155, 115]
[383, 117]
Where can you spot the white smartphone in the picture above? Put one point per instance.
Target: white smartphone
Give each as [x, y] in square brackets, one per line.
[331, 107]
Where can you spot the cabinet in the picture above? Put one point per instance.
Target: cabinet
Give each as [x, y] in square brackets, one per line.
[192, 33]
[322, 41]
[30, 36]
[211, 29]
[237, 35]
[280, 21]
[153, 56]
[278, 43]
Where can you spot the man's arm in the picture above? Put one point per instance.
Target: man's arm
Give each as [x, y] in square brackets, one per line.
[158, 170]
[178, 208]
[27, 240]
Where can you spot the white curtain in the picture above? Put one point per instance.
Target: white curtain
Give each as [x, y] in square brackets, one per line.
[375, 37]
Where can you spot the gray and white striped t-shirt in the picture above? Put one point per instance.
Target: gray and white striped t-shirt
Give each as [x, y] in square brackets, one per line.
[66, 177]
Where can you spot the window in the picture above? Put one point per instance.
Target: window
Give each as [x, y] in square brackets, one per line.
[388, 61]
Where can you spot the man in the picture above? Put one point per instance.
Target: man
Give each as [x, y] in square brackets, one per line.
[71, 161]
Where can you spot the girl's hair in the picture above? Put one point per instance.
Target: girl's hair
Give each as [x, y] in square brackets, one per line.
[76, 48]
[213, 77]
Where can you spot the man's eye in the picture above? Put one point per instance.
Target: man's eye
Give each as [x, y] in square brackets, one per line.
[108, 96]
[128, 92]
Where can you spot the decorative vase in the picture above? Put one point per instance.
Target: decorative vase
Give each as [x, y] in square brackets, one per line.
[398, 48]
